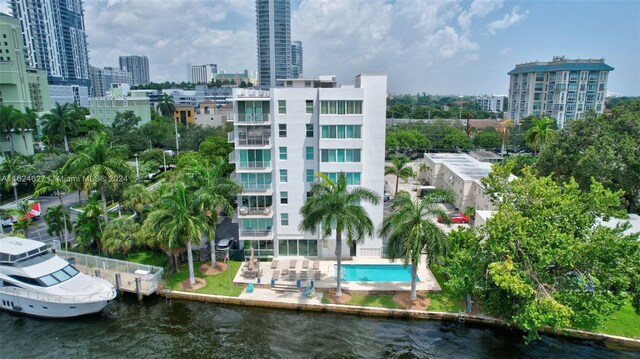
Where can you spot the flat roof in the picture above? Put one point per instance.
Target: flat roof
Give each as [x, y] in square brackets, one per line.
[14, 245]
[463, 165]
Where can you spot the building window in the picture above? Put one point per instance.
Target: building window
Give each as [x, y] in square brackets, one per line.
[340, 155]
[284, 197]
[341, 107]
[353, 178]
[282, 107]
[283, 176]
[310, 176]
[309, 153]
[309, 129]
[283, 153]
[309, 194]
[282, 130]
[342, 131]
[309, 107]
[284, 219]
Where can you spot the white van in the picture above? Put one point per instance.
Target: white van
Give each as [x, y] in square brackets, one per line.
[424, 189]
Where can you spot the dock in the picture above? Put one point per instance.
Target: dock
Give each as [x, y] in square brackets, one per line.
[140, 279]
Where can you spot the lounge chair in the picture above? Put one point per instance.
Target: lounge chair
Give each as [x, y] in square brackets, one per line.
[304, 275]
[274, 264]
[305, 264]
[292, 275]
[284, 273]
[317, 275]
[316, 265]
[275, 275]
[293, 263]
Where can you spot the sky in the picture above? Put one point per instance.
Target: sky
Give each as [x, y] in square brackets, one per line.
[438, 47]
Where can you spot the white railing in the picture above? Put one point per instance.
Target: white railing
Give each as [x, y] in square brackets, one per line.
[230, 137]
[21, 292]
[252, 93]
[153, 279]
[232, 157]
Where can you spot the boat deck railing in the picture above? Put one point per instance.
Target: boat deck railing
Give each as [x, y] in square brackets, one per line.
[53, 298]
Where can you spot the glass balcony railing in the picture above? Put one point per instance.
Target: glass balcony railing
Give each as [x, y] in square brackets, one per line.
[255, 141]
[253, 164]
[251, 118]
[256, 187]
[254, 211]
[230, 137]
[256, 232]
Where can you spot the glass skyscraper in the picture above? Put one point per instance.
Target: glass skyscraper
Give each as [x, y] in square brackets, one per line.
[273, 26]
[138, 66]
[296, 60]
[55, 39]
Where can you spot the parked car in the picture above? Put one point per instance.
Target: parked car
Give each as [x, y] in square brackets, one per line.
[387, 196]
[224, 244]
[456, 217]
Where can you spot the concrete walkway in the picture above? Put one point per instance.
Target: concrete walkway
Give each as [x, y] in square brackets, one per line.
[284, 297]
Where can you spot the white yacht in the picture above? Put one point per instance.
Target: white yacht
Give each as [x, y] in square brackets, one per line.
[37, 282]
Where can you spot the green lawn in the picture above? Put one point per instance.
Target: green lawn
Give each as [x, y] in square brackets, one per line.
[148, 257]
[220, 284]
[625, 322]
[444, 301]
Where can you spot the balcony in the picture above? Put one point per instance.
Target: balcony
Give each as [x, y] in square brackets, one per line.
[230, 137]
[232, 157]
[250, 118]
[256, 188]
[253, 233]
[252, 93]
[259, 166]
[257, 141]
[246, 211]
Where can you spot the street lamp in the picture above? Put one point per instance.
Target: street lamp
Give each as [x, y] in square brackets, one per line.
[137, 167]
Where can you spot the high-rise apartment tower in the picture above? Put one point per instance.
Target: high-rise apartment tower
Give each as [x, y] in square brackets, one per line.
[273, 27]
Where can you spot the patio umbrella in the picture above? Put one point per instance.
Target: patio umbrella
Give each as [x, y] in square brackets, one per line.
[251, 259]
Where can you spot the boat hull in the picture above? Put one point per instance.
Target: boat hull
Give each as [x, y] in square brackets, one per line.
[23, 305]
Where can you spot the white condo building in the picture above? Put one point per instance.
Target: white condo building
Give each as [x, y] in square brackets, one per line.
[284, 136]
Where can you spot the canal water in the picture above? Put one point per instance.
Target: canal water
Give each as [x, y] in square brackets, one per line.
[182, 329]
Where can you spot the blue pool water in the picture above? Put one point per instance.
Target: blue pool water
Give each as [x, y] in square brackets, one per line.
[376, 273]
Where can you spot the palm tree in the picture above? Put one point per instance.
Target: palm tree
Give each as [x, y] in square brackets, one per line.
[60, 121]
[412, 232]
[11, 169]
[178, 221]
[100, 163]
[120, 235]
[541, 133]
[213, 191]
[166, 106]
[333, 206]
[137, 198]
[57, 183]
[400, 169]
[8, 118]
[88, 226]
[58, 221]
[22, 123]
[503, 129]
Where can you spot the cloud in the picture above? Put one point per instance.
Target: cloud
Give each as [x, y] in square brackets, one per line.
[505, 51]
[507, 21]
[480, 9]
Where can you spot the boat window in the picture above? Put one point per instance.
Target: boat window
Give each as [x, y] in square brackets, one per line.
[26, 280]
[48, 280]
[61, 275]
[70, 270]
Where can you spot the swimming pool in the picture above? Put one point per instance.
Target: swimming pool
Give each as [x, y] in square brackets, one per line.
[376, 273]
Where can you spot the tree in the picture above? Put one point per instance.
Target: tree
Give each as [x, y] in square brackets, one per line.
[545, 256]
[178, 222]
[166, 106]
[100, 164]
[602, 147]
[120, 235]
[125, 122]
[488, 138]
[88, 226]
[58, 222]
[12, 169]
[455, 139]
[56, 182]
[8, 118]
[503, 128]
[333, 206]
[411, 233]
[214, 191]
[541, 134]
[62, 121]
[25, 121]
[138, 199]
[399, 169]
[215, 146]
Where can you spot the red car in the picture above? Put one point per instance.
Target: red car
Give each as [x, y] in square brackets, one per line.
[455, 218]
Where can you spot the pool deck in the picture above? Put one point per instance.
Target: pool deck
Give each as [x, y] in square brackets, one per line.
[327, 280]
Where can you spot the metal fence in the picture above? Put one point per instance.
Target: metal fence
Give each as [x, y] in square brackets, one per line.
[152, 275]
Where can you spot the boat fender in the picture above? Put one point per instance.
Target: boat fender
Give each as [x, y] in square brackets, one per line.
[17, 308]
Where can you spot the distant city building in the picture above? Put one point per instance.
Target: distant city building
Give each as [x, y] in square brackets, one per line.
[138, 66]
[102, 79]
[105, 109]
[55, 41]
[185, 114]
[21, 145]
[490, 103]
[212, 114]
[20, 85]
[220, 95]
[296, 60]
[68, 94]
[283, 137]
[237, 78]
[562, 89]
[182, 97]
[273, 27]
[203, 74]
